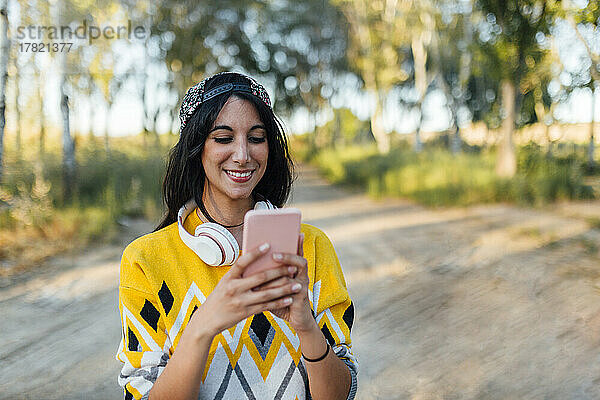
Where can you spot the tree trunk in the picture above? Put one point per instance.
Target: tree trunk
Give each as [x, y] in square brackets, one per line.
[591, 146]
[149, 116]
[381, 138]
[420, 63]
[146, 113]
[358, 22]
[39, 163]
[4, 47]
[90, 128]
[68, 149]
[42, 138]
[172, 118]
[106, 136]
[337, 136]
[155, 132]
[418, 145]
[91, 111]
[312, 137]
[463, 79]
[456, 141]
[18, 133]
[506, 166]
[68, 145]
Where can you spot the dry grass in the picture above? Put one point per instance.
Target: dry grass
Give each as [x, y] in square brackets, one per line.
[37, 223]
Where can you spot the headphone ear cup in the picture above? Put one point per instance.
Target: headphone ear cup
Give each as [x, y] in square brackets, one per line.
[207, 248]
[216, 245]
[264, 205]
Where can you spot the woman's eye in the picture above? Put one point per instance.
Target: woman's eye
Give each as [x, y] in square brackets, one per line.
[223, 139]
[257, 139]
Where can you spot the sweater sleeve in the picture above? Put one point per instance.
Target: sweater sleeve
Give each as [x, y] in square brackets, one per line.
[145, 345]
[332, 307]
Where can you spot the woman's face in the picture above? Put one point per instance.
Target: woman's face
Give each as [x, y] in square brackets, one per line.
[236, 151]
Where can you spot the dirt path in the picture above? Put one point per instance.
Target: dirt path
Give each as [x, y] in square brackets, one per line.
[60, 328]
[491, 302]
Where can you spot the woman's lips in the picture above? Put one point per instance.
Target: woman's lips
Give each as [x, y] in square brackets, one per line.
[239, 176]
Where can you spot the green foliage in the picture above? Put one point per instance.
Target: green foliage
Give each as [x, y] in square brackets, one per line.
[378, 39]
[127, 182]
[350, 165]
[546, 180]
[438, 178]
[300, 148]
[298, 45]
[343, 130]
[507, 48]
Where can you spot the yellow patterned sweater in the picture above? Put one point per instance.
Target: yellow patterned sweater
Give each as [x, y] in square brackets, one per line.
[163, 282]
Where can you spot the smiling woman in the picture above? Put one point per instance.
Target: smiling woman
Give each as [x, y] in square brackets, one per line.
[234, 158]
[194, 326]
[217, 114]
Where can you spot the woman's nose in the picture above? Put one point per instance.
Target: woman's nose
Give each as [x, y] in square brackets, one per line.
[240, 154]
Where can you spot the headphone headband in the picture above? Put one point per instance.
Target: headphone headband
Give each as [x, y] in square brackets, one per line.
[196, 95]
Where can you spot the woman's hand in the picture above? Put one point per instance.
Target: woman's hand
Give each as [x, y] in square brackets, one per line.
[298, 313]
[233, 299]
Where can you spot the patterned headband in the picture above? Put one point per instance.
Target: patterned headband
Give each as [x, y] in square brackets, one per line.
[196, 95]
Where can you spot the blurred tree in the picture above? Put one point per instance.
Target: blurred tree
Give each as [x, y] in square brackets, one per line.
[86, 87]
[4, 50]
[294, 49]
[87, 67]
[345, 129]
[41, 74]
[37, 12]
[102, 71]
[14, 71]
[452, 47]
[144, 11]
[378, 32]
[510, 49]
[587, 18]
[537, 88]
[62, 13]
[421, 20]
[58, 9]
[98, 59]
[308, 55]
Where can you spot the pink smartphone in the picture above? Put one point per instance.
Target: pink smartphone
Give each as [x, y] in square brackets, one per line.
[280, 228]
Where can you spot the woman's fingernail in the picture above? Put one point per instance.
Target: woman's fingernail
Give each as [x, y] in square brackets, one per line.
[296, 287]
[287, 300]
[292, 270]
[277, 256]
[263, 247]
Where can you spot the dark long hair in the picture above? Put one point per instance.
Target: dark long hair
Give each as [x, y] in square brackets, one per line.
[184, 178]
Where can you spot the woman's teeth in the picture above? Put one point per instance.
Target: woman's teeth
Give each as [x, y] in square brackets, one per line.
[239, 174]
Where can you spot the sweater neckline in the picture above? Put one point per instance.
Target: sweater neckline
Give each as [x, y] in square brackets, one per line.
[192, 221]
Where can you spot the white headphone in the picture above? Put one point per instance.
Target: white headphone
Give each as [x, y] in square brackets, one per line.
[214, 244]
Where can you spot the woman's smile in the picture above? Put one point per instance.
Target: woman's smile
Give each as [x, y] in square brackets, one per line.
[239, 176]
